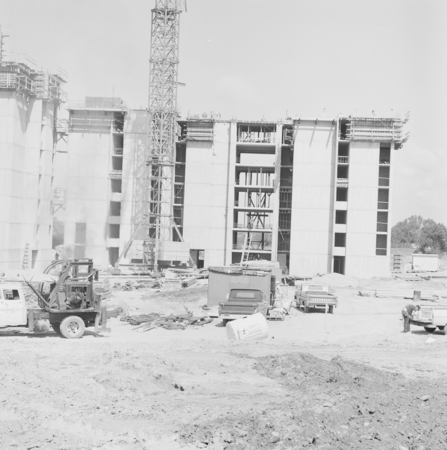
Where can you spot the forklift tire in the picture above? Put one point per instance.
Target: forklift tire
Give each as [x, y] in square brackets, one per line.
[72, 327]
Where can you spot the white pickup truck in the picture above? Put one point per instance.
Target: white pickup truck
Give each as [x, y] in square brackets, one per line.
[431, 317]
[314, 295]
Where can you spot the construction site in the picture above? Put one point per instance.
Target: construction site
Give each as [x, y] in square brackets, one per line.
[222, 283]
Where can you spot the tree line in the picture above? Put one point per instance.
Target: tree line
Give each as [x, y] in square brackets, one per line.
[425, 235]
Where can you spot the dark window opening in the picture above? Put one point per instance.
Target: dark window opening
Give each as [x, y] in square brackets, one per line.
[341, 217]
[258, 241]
[285, 198]
[343, 149]
[117, 185]
[236, 257]
[339, 264]
[256, 133]
[342, 194]
[343, 129]
[118, 122]
[80, 233]
[381, 244]
[182, 131]
[180, 171]
[340, 240]
[382, 221]
[179, 194]
[287, 135]
[286, 156]
[198, 257]
[34, 254]
[114, 231]
[385, 154]
[178, 219]
[117, 163]
[284, 241]
[118, 144]
[384, 176]
[343, 172]
[113, 255]
[383, 199]
[343, 153]
[286, 177]
[285, 220]
[115, 208]
[180, 154]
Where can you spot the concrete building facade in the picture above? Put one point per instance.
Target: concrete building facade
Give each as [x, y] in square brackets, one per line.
[311, 193]
[29, 101]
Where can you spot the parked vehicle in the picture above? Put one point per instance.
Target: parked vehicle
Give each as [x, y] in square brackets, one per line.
[69, 304]
[431, 317]
[242, 303]
[314, 295]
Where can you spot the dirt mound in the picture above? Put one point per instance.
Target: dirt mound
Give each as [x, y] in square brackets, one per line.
[333, 404]
[301, 370]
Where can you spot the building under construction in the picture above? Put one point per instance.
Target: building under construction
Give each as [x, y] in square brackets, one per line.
[310, 193]
[29, 102]
[147, 188]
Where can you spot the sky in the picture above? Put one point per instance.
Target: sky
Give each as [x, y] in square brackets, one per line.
[249, 59]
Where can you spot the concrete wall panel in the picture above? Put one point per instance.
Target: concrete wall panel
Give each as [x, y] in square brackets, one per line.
[312, 200]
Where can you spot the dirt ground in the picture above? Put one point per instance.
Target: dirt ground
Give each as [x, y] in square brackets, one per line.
[348, 380]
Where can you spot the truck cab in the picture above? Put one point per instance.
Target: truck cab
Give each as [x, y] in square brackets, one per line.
[242, 303]
[13, 310]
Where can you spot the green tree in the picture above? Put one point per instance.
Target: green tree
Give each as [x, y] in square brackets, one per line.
[424, 234]
[433, 238]
[58, 232]
[407, 232]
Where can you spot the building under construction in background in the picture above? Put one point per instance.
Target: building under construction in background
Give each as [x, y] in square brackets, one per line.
[147, 188]
[29, 102]
[311, 193]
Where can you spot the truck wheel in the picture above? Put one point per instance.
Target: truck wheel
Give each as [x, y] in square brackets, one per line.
[430, 329]
[72, 327]
[331, 310]
[441, 328]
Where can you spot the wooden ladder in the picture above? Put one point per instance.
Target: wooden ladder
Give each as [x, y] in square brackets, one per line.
[25, 262]
[246, 248]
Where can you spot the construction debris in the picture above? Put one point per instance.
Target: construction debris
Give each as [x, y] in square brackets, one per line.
[147, 322]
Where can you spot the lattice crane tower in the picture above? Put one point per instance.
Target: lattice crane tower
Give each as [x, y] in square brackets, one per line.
[163, 115]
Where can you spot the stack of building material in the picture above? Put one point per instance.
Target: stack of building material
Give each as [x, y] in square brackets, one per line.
[402, 293]
[189, 282]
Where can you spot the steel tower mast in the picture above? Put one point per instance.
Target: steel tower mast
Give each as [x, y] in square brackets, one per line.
[163, 115]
